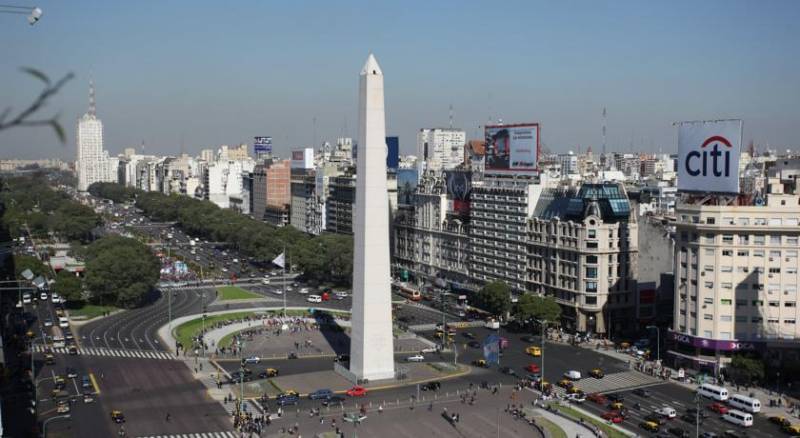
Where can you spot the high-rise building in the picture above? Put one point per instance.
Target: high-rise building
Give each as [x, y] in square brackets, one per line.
[271, 188]
[736, 276]
[304, 200]
[582, 251]
[339, 204]
[441, 148]
[92, 163]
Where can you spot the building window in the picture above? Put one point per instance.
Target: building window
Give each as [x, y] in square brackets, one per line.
[774, 270]
[727, 285]
[727, 238]
[744, 239]
[591, 286]
[758, 253]
[740, 318]
[724, 335]
[742, 253]
[788, 321]
[708, 300]
[709, 238]
[758, 239]
[756, 319]
[774, 255]
[709, 284]
[743, 221]
[742, 269]
[727, 253]
[774, 240]
[758, 303]
[591, 245]
[759, 221]
[726, 302]
[591, 272]
[774, 304]
[709, 252]
[789, 304]
[708, 268]
[590, 300]
[708, 317]
[710, 220]
[726, 318]
[773, 321]
[741, 303]
[591, 259]
[726, 269]
[707, 333]
[791, 240]
[592, 234]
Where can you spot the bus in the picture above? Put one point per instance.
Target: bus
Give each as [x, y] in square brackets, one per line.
[407, 292]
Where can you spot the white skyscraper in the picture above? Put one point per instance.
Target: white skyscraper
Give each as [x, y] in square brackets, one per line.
[441, 148]
[371, 342]
[92, 163]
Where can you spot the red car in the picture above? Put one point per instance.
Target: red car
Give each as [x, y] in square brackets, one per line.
[533, 368]
[718, 408]
[614, 417]
[357, 391]
[600, 399]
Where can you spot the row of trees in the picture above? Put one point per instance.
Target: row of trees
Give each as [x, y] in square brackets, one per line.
[44, 210]
[324, 259]
[495, 298]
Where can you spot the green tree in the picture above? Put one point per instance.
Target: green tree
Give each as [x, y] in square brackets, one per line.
[743, 368]
[531, 306]
[120, 270]
[68, 286]
[495, 298]
[23, 262]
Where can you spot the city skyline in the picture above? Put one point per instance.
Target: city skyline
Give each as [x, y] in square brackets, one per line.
[161, 86]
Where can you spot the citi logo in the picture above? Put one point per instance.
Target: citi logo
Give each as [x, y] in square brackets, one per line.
[698, 162]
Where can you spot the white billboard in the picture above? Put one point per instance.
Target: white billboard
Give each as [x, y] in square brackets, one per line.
[303, 159]
[708, 156]
[512, 147]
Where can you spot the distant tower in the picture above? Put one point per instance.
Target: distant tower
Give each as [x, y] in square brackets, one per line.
[603, 156]
[371, 340]
[92, 162]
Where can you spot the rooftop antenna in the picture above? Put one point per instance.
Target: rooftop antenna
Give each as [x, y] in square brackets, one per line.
[603, 155]
[314, 125]
[451, 116]
[183, 146]
[142, 147]
[92, 106]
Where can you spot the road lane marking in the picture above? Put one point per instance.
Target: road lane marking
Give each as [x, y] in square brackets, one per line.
[94, 383]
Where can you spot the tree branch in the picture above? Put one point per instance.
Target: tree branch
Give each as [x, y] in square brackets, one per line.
[23, 118]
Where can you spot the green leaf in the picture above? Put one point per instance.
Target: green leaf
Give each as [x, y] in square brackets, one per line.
[37, 74]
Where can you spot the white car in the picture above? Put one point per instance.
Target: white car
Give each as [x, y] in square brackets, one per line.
[43, 296]
[265, 281]
[314, 299]
[48, 322]
[63, 322]
[277, 291]
[429, 350]
[573, 375]
[252, 359]
[55, 298]
[302, 290]
[340, 295]
[26, 298]
[415, 358]
[667, 412]
[576, 398]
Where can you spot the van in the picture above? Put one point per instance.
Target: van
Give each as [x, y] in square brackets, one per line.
[314, 299]
[59, 342]
[63, 322]
[748, 404]
[738, 417]
[715, 392]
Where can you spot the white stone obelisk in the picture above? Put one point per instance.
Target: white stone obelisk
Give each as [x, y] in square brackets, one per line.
[371, 341]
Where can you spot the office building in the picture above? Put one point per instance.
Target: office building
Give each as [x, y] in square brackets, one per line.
[92, 164]
[441, 148]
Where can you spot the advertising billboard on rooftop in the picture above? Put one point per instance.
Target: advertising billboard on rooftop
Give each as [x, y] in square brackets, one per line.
[262, 145]
[512, 148]
[708, 156]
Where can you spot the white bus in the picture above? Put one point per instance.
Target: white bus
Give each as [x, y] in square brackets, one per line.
[738, 417]
[749, 404]
[718, 393]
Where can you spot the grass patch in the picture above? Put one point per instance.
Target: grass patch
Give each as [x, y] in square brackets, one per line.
[185, 332]
[608, 431]
[236, 293]
[89, 311]
[552, 428]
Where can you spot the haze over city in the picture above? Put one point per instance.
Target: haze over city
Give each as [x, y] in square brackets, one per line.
[203, 74]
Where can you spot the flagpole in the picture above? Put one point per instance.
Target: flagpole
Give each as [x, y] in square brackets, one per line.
[284, 282]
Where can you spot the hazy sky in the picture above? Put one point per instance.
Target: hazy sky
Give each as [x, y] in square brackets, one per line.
[213, 72]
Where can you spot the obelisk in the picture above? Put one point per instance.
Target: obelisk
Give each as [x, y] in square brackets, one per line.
[371, 341]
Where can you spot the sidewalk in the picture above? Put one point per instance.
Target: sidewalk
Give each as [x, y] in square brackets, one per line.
[653, 368]
[571, 428]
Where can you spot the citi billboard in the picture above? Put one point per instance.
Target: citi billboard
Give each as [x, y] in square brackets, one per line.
[708, 156]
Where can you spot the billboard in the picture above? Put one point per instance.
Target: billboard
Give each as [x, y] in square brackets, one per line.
[392, 153]
[512, 147]
[407, 180]
[303, 159]
[708, 156]
[262, 145]
[459, 187]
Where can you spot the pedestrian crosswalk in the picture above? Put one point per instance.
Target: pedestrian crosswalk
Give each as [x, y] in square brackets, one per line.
[225, 434]
[111, 352]
[612, 382]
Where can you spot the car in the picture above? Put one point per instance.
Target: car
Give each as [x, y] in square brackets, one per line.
[666, 411]
[533, 368]
[678, 432]
[616, 397]
[691, 419]
[356, 391]
[49, 359]
[573, 375]
[649, 426]
[655, 418]
[88, 397]
[693, 412]
[62, 407]
[333, 400]
[600, 399]
[469, 335]
[267, 373]
[793, 429]
[641, 392]
[117, 416]
[616, 405]
[314, 299]
[480, 363]
[303, 290]
[71, 372]
[597, 373]
[252, 359]
[578, 397]
[779, 420]
[284, 400]
[85, 382]
[72, 350]
[277, 291]
[614, 417]
[265, 281]
[48, 322]
[574, 390]
[321, 394]
[542, 385]
[474, 344]
[428, 350]
[508, 371]
[415, 358]
[534, 351]
[43, 296]
[431, 386]
[564, 383]
[59, 383]
[718, 408]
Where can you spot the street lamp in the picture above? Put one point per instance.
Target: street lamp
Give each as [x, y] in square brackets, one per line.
[658, 341]
[542, 323]
[58, 417]
[34, 13]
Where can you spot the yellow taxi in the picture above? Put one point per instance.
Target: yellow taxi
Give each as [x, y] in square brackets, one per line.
[480, 363]
[564, 383]
[651, 426]
[289, 392]
[597, 373]
[534, 351]
[616, 406]
[574, 390]
[790, 428]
